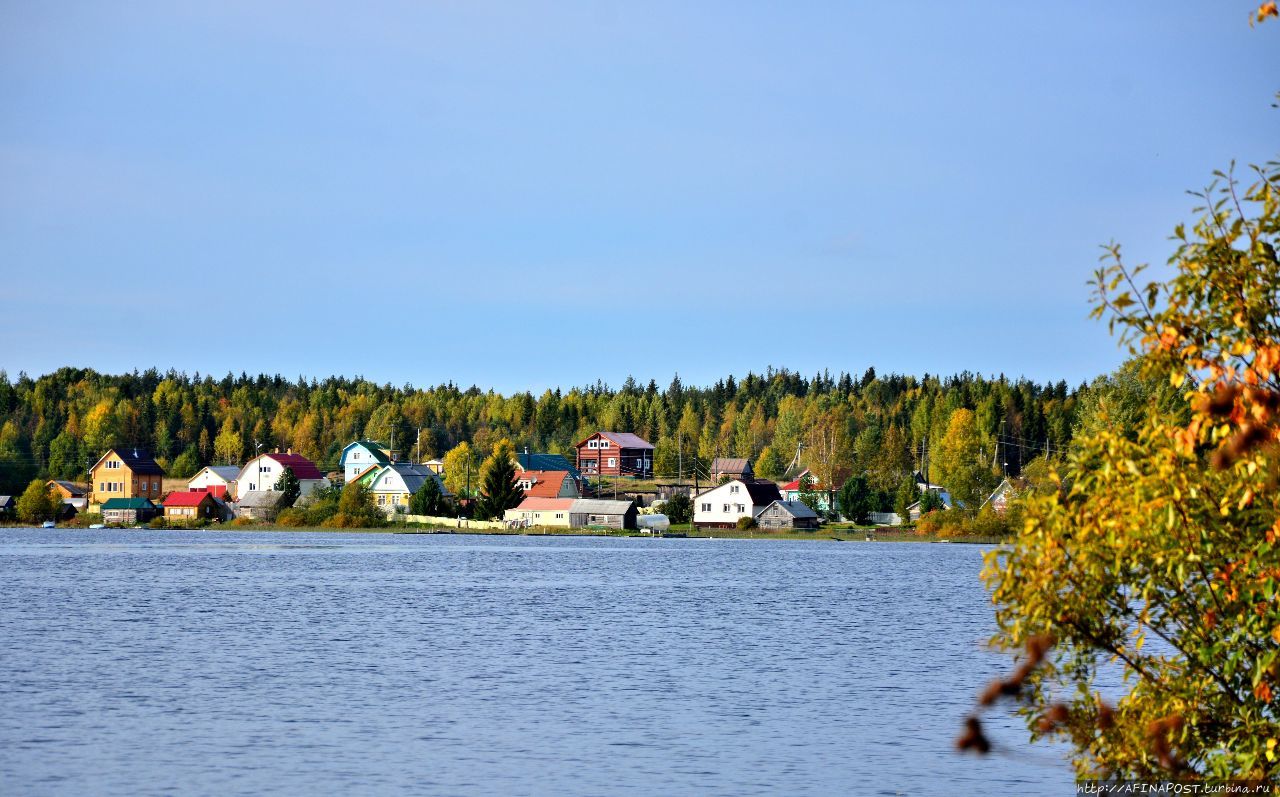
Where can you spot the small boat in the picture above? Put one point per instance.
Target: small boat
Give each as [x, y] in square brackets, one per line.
[98, 526]
[48, 524]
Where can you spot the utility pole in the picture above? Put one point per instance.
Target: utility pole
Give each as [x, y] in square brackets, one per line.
[680, 460]
[417, 448]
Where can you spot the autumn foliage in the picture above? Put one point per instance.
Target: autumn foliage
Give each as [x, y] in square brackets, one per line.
[1160, 562]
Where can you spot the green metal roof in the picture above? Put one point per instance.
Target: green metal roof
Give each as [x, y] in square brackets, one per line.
[128, 503]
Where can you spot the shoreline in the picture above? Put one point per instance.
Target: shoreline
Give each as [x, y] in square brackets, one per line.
[834, 535]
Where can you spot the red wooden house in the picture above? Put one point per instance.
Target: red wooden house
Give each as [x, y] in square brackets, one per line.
[615, 454]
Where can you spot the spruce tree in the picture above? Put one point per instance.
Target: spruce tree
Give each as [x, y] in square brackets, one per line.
[289, 488]
[498, 491]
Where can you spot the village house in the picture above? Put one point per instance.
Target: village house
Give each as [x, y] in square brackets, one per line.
[791, 491]
[394, 484]
[7, 506]
[74, 497]
[615, 454]
[125, 473]
[436, 466]
[361, 455]
[1000, 497]
[594, 512]
[723, 468]
[191, 506]
[128, 511]
[720, 507]
[547, 484]
[787, 515]
[541, 512]
[219, 480]
[262, 472]
[258, 504]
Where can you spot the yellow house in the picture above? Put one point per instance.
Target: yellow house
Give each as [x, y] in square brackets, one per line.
[126, 473]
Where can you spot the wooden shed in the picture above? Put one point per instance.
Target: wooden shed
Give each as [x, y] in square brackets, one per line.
[599, 513]
[787, 515]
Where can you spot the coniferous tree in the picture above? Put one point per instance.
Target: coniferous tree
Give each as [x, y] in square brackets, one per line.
[289, 488]
[499, 491]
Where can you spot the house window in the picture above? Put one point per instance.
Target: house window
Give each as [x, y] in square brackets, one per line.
[593, 444]
[726, 507]
[112, 465]
[604, 443]
[382, 500]
[706, 507]
[559, 516]
[733, 488]
[395, 499]
[612, 462]
[741, 508]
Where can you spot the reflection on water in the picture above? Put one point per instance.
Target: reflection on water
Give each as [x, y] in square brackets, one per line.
[221, 662]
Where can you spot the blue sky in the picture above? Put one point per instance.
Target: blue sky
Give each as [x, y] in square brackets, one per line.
[522, 196]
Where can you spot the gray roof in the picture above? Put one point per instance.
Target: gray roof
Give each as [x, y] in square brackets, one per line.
[729, 464]
[597, 506]
[797, 509]
[623, 440]
[6, 500]
[260, 499]
[227, 473]
[415, 476]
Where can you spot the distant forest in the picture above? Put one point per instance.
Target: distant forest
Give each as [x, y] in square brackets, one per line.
[881, 426]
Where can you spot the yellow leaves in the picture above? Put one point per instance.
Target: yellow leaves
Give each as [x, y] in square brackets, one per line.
[1246, 499]
[1267, 9]
[1271, 743]
[1177, 378]
[1275, 634]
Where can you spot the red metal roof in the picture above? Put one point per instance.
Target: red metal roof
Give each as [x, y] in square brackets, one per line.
[302, 467]
[185, 498]
[546, 483]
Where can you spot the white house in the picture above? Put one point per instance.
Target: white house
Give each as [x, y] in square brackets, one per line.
[261, 473]
[393, 485]
[541, 512]
[217, 479]
[720, 507]
[361, 455]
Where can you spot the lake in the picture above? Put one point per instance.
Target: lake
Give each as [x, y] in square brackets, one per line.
[141, 662]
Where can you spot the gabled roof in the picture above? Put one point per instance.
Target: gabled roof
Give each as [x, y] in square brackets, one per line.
[228, 473]
[127, 503]
[179, 498]
[546, 483]
[6, 500]
[797, 509]
[795, 483]
[413, 476]
[546, 504]
[136, 459]
[729, 464]
[378, 450]
[599, 506]
[76, 490]
[761, 491]
[302, 467]
[621, 439]
[260, 499]
[547, 462]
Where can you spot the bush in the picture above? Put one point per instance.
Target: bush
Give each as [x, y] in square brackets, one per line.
[243, 521]
[745, 523]
[292, 518]
[678, 508]
[158, 522]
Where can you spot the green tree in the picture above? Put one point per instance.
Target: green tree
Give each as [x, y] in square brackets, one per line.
[499, 491]
[1169, 532]
[856, 499]
[962, 465]
[809, 496]
[678, 508]
[461, 471]
[356, 509]
[228, 445]
[906, 495]
[289, 488]
[428, 500]
[186, 465]
[769, 465]
[65, 461]
[37, 503]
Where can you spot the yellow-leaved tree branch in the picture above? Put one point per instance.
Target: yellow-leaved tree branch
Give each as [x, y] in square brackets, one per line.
[1160, 557]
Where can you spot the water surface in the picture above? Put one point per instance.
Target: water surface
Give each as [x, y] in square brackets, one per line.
[141, 662]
